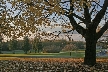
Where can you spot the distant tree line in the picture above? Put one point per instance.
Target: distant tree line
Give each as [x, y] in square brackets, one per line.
[49, 46]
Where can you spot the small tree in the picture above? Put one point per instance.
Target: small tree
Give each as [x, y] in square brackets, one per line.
[26, 45]
[51, 49]
[70, 47]
[13, 45]
[1, 44]
[40, 46]
[37, 45]
[0, 47]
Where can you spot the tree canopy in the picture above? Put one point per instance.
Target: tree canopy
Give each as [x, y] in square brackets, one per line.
[21, 17]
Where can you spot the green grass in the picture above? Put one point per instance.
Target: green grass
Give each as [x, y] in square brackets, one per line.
[20, 53]
[16, 51]
[78, 54]
[74, 54]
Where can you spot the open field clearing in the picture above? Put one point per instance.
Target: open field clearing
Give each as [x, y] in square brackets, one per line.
[14, 64]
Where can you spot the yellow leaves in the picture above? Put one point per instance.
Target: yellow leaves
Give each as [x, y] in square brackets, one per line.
[26, 29]
[81, 3]
[39, 21]
[33, 30]
[20, 34]
[31, 8]
[64, 30]
[56, 24]
[39, 13]
[69, 27]
[27, 1]
[21, 22]
[3, 16]
[25, 14]
[73, 1]
[78, 10]
[63, 11]
[51, 2]
[88, 4]
[39, 1]
[29, 21]
[43, 33]
[14, 37]
[46, 3]
[48, 24]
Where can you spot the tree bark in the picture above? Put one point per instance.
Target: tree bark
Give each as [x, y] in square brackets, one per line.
[90, 52]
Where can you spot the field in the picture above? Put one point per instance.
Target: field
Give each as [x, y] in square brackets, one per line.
[74, 54]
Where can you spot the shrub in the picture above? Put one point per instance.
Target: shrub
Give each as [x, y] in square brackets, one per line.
[52, 49]
[69, 47]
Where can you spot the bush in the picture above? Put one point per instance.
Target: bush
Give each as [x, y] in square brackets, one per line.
[51, 49]
[70, 47]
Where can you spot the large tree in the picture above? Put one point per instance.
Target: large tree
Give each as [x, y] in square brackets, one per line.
[31, 13]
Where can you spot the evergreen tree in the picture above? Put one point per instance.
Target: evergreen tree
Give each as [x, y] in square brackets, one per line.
[13, 45]
[1, 44]
[26, 45]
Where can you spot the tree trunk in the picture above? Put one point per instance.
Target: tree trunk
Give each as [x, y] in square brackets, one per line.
[90, 52]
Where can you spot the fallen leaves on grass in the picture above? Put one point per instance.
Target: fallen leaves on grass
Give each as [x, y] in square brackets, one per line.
[50, 65]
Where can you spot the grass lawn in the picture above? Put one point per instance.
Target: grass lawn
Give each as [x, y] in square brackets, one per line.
[79, 54]
[20, 53]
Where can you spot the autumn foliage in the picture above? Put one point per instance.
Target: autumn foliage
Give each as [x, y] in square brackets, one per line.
[50, 64]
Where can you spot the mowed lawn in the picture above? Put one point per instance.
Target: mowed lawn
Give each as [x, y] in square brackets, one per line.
[20, 53]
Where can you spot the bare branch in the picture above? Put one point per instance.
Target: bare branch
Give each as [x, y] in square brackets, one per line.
[103, 29]
[87, 14]
[92, 10]
[2, 6]
[97, 4]
[18, 14]
[49, 3]
[79, 17]
[100, 14]
[77, 27]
